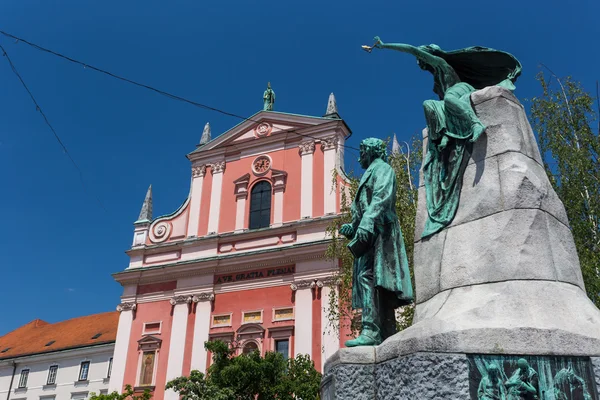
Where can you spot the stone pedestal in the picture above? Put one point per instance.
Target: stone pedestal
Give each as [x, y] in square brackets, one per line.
[502, 279]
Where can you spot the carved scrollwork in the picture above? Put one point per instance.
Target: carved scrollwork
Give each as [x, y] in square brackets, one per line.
[180, 300]
[313, 283]
[329, 143]
[297, 285]
[217, 167]
[160, 231]
[307, 147]
[126, 307]
[208, 296]
[198, 170]
[331, 281]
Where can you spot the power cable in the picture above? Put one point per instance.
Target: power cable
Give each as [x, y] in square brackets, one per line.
[162, 92]
[58, 139]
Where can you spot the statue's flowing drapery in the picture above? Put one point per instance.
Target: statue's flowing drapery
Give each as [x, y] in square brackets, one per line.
[452, 123]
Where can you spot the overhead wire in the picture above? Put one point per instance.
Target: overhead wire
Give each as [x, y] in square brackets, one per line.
[56, 136]
[148, 87]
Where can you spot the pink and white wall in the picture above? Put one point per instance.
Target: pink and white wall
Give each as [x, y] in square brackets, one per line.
[202, 272]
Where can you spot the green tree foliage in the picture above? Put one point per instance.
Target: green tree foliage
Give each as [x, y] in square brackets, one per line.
[563, 117]
[127, 395]
[250, 377]
[406, 164]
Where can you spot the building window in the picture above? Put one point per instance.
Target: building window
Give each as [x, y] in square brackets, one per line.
[283, 347]
[52, 375]
[147, 370]
[260, 205]
[152, 328]
[283, 314]
[250, 347]
[23, 378]
[252, 317]
[109, 368]
[221, 320]
[84, 370]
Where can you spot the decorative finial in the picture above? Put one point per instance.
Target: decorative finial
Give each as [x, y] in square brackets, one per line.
[332, 110]
[268, 98]
[205, 135]
[146, 212]
[395, 145]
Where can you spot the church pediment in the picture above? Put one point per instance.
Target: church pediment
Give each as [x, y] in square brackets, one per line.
[265, 124]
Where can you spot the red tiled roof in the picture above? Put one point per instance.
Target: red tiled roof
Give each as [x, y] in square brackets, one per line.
[32, 338]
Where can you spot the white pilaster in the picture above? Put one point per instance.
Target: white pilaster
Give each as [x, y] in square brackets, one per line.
[177, 344]
[197, 181]
[240, 212]
[279, 182]
[307, 150]
[215, 196]
[330, 341]
[303, 322]
[278, 209]
[121, 346]
[329, 147]
[201, 329]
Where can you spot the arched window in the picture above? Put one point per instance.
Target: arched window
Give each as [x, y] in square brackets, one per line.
[250, 347]
[260, 205]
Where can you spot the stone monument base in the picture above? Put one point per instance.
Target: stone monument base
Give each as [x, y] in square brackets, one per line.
[501, 282]
[353, 374]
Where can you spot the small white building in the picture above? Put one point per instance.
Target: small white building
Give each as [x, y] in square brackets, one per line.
[61, 361]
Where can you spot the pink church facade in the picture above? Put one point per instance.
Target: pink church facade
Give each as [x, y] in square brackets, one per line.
[243, 258]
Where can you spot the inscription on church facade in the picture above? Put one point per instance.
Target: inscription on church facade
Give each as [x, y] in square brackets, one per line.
[256, 274]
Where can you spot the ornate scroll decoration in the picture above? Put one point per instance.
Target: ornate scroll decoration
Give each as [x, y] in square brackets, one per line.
[263, 129]
[180, 300]
[314, 283]
[160, 231]
[331, 281]
[307, 147]
[308, 284]
[329, 143]
[129, 306]
[206, 296]
[198, 170]
[217, 167]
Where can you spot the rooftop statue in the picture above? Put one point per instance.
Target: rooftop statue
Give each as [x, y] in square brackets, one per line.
[451, 121]
[268, 98]
[381, 279]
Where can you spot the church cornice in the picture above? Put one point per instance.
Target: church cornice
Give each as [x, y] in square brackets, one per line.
[277, 256]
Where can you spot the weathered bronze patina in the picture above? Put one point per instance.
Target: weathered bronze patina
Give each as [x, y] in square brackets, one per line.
[381, 279]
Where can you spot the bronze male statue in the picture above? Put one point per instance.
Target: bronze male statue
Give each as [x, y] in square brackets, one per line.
[381, 280]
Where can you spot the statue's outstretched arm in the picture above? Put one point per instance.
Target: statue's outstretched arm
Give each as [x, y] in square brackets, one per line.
[410, 49]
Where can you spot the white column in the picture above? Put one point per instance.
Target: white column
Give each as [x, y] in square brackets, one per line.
[330, 340]
[329, 147]
[307, 150]
[201, 329]
[177, 342]
[121, 347]
[194, 215]
[303, 321]
[215, 196]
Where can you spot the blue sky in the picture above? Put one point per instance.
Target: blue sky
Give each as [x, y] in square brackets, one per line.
[59, 247]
